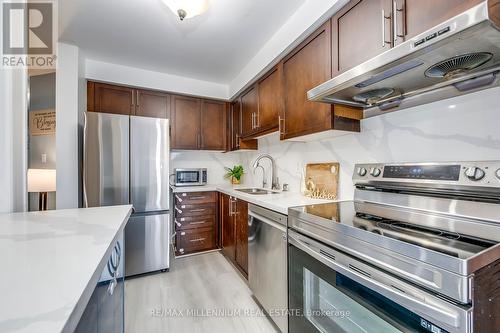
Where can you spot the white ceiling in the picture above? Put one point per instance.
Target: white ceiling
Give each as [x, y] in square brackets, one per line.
[144, 33]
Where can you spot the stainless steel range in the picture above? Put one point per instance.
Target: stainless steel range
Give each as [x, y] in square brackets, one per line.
[415, 251]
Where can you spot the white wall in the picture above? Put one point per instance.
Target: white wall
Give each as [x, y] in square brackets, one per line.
[13, 142]
[102, 71]
[67, 119]
[213, 161]
[463, 128]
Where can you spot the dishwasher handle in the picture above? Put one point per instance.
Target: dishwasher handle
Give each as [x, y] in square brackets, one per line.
[253, 215]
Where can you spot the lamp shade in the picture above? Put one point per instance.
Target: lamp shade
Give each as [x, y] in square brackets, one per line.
[41, 180]
[187, 8]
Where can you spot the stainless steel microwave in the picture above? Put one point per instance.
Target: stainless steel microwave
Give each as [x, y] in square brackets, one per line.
[190, 177]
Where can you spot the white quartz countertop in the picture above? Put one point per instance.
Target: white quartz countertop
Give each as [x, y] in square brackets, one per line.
[279, 202]
[50, 263]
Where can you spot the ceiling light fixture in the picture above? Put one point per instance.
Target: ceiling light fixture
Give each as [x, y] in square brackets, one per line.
[187, 8]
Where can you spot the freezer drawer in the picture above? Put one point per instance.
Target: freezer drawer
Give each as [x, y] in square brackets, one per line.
[148, 243]
[149, 171]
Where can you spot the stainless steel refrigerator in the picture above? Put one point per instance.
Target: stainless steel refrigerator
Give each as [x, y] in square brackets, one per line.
[126, 161]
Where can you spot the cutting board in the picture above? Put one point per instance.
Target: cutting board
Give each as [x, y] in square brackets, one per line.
[322, 180]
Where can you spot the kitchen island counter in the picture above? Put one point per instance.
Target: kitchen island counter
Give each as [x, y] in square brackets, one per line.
[51, 262]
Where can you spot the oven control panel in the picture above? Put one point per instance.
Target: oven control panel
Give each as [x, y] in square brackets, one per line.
[471, 173]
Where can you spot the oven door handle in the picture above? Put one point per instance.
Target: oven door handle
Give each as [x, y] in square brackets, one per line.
[440, 312]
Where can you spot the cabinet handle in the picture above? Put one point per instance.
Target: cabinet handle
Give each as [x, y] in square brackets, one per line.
[197, 198]
[200, 222]
[233, 207]
[197, 239]
[383, 28]
[133, 95]
[137, 97]
[198, 210]
[403, 21]
[237, 140]
[257, 120]
[253, 121]
[281, 128]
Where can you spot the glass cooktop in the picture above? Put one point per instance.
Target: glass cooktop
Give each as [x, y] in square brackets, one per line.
[425, 231]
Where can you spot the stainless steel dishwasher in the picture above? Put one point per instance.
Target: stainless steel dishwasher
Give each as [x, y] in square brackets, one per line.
[267, 262]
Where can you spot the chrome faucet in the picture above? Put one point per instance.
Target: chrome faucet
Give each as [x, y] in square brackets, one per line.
[264, 179]
[274, 179]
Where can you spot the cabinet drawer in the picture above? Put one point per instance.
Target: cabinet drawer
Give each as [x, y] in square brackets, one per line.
[191, 198]
[194, 210]
[194, 222]
[195, 240]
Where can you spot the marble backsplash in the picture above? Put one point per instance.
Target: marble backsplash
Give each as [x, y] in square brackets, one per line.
[462, 128]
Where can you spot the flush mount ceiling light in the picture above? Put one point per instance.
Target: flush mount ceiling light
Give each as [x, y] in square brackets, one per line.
[187, 8]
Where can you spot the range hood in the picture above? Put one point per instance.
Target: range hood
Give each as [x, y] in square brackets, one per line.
[456, 57]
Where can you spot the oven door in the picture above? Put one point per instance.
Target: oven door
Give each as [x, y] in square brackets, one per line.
[188, 177]
[330, 291]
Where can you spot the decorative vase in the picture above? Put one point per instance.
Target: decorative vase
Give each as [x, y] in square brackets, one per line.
[235, 181]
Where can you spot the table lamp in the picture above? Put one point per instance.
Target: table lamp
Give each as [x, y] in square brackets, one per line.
[42, 181]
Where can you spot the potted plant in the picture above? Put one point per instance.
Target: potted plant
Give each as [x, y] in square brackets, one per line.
[235, 173]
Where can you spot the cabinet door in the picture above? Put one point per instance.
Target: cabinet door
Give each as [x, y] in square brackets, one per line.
[413, 17]
[306, 67]
[249, 111]
[235, 125]
[185, 114]
[242, 235]
[114, 99]
[213, 125]
[152, 104]
[227, 226]
[90, 96]
[361, 30]
[270, 100]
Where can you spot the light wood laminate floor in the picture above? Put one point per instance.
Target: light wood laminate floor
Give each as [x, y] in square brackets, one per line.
[185, 299]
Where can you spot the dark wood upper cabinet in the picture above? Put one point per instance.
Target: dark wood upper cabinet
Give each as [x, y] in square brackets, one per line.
[114, 99]
[152, 104]
[241, 218]
[213, 125]
[365, 28]
[90, 95]
[413, 17]
[303, 69]
[197, 124]
[234, 125]
[186, 122]
[270, 100]
[360, 31]
[249, 111]
[228, 230]
[234, 141]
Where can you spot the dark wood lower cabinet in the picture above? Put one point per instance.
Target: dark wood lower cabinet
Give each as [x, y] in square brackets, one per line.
[241, 217]
[486, 315]
[234, 229]
[228, 230]
[195, 219]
